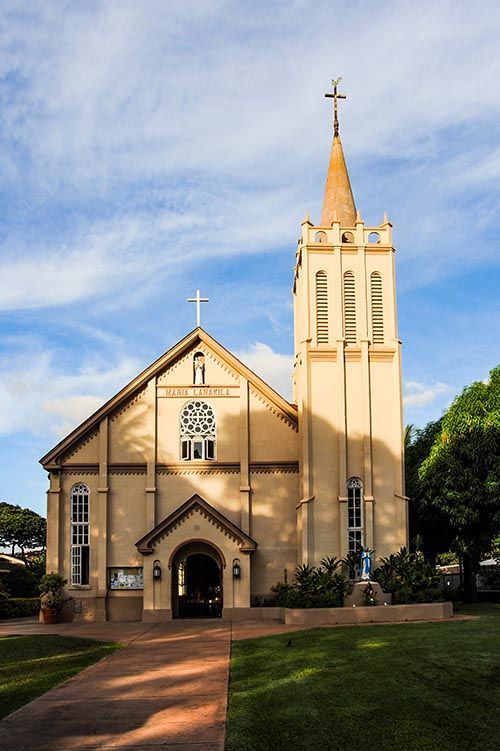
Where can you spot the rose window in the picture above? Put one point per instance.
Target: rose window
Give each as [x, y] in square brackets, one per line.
[197, 431]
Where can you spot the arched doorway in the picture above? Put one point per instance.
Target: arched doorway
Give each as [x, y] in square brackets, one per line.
[197, 581]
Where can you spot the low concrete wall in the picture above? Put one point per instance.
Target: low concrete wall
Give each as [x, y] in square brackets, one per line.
[371, 614]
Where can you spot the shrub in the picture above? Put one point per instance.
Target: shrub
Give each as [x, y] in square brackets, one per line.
[369, 597]
[19, 607]
[21, 582]
[408, 577]
[52, 596]
[314, 587]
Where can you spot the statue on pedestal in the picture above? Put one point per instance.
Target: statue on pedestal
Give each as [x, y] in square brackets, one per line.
[199, 369]
[366, 564]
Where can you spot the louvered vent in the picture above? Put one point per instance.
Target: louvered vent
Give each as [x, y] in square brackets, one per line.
[322, 307]
[377, 309]
[349, 308]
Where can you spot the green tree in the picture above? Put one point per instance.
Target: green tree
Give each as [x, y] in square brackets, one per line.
[21, 528]
[436, 534]
[460, 479]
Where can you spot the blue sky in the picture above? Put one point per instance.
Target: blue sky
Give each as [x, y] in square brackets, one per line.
[151, 148]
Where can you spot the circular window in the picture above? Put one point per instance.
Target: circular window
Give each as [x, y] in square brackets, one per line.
[197, 418]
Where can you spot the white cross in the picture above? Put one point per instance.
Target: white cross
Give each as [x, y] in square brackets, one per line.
[198, 300]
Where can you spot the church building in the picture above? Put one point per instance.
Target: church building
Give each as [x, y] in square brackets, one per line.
[197, 487]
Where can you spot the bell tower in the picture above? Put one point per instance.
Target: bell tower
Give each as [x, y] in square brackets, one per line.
[347, 378]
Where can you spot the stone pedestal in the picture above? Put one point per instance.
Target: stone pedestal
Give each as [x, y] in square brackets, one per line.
[358, 592]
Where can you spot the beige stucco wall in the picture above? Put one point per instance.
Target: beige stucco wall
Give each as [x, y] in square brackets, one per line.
[132, 466]
[220, 489]
[349, 395]
[271, 437]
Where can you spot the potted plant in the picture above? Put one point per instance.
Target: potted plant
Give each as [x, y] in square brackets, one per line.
[52, 600]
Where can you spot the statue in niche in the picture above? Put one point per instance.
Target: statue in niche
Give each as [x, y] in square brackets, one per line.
[199, 369]
[366, 564]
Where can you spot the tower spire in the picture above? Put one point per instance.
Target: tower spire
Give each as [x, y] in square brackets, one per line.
[338, 198]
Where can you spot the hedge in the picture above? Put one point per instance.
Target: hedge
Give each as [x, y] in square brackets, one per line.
[19, 607]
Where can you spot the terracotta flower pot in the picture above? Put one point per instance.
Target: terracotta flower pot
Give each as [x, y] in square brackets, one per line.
[49, 615]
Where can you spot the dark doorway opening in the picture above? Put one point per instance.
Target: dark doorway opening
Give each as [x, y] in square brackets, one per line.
[197, 583]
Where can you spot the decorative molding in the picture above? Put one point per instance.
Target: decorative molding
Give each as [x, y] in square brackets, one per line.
[195, 504]
[75, 449]
[267, 468]
[328, 354]
[186, 468]
[271, 408]
[81, 467]
[80, 472]
[224, 366]
[161, 377]
[199, 468]
[376, 354]
[118, 471]
[124, 407]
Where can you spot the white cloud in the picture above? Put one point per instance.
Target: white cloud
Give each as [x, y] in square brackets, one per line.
[272, 367]
[418, 394]
[130, 88]
[131, 108]
[70, 411]
[108, 258]
[39, 397]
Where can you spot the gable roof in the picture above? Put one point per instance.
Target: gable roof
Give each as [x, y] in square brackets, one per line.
[192, 339]
[245, 543]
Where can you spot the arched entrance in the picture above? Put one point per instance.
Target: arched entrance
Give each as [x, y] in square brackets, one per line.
[197, 581]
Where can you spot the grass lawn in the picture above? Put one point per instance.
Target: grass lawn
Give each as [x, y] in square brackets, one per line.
[408, 687]
[30, 665]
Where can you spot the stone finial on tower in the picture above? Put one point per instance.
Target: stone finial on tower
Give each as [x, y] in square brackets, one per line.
[338, 196]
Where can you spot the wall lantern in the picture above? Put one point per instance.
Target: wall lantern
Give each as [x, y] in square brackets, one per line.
[236, 569]
[156, 571]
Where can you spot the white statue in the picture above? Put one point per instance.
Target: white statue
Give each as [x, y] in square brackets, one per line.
[199, 370]
[366, 564]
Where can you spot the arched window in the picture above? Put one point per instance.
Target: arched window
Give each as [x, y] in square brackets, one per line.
[320, 237]
[347, 237]
[349, 308]
[377, 309]
[80, 523]
[354, 514]
[322, 307]
[197, 431]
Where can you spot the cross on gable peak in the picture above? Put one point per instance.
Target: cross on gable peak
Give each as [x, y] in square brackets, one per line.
[198, 300]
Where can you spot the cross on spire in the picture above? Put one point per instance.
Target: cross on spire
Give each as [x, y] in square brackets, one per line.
[336, 96]
[198, 300]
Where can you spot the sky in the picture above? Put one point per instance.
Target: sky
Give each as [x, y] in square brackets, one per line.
[152, 147]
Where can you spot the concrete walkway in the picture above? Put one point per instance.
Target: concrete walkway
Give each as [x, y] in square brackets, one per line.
[167, 689]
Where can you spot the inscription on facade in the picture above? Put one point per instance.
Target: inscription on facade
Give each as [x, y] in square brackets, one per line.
[198, 391]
